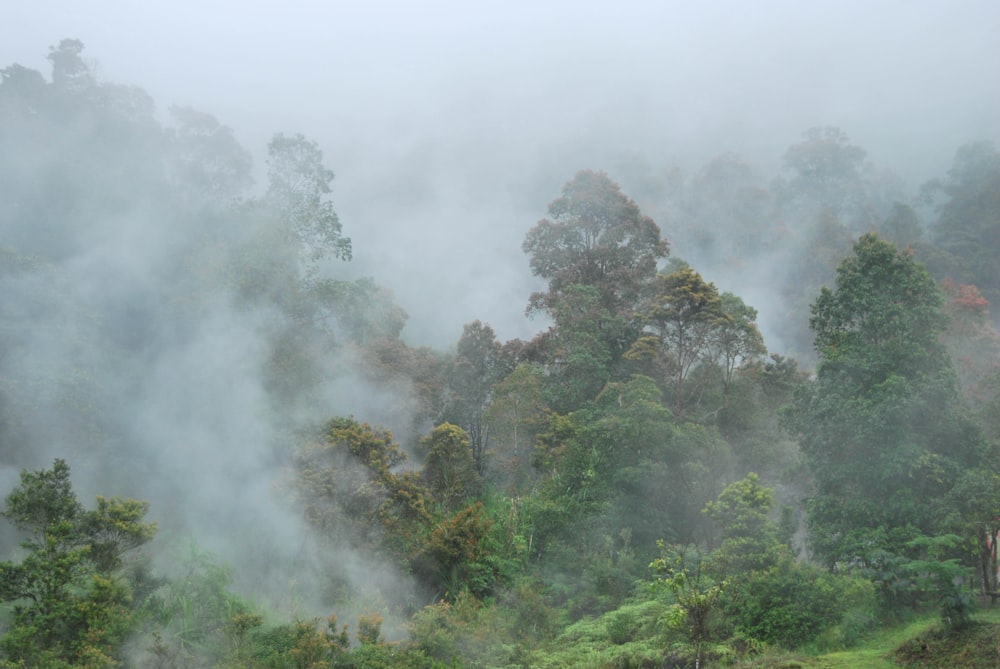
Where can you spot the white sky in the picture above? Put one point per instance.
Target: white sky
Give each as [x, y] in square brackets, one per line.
[451, 124]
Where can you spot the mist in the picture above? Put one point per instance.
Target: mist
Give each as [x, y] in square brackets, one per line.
[449, 128]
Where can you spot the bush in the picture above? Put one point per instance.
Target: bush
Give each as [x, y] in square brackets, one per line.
[791, 603]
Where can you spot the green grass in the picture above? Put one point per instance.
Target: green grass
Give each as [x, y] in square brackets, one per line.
[878, 652]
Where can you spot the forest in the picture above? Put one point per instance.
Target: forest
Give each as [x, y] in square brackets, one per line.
[219, 450]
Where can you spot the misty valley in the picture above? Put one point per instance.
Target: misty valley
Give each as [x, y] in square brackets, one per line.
[758, 424]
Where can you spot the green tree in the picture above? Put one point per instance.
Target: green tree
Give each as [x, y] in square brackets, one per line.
[449, 468]
[346, 486]
[581, 349]
[515, 416]
[749, 538]
[772, 597]
[968, 225]
[685, 317]
[359, 311]
[298, 186]
[681, 571]
[880, 426]
[68, 603]
[480, 363]
[454, 554]
[902, 226]
[737, 339]
[975, 501]
[828, 174]
[595, 236]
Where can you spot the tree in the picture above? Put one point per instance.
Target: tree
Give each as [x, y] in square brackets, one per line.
[884, 318]
[346, 487]
[880, 426]
[828, 173]
[449, 467]
[749, 538]
[69, 71]
[901, 226]
[685, 316]
[359, 311]
[207, 159]
[737, 338]
[581, 349]
[298, 186]
[772, 597]
[968, 222]
[595, 236]
[975, 500]
[681, 570]
[514, 417]
[480, 363]
[729, 211]
[67, 603]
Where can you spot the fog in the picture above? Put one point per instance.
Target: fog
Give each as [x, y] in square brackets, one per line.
[451, 126]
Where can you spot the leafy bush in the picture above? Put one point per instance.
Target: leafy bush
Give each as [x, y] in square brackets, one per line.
[791, 603]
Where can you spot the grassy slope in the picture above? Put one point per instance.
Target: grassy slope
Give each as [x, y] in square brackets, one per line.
[979, 647]
[586, 645]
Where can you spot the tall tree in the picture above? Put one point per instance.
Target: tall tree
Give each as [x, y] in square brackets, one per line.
[968, 223]
[69, 71]
[581, 349]
[515, 416]
[685, 317]
[828, 174]
[298, 188]
[728, 214]
[596, 236]
[208, 162]
[449, 468]
[480, 363]
[68, 608]
[881, 426]
[737, 339]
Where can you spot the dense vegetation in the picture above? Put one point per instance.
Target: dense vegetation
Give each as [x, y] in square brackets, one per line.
[644, 483]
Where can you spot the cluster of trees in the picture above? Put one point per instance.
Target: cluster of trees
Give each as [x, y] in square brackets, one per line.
[644, 461]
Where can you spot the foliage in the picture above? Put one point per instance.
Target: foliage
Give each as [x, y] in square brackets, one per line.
[937, 572]
[581, 349]
[345, 482]
[828, 173]
[594, 236]
[975, 501]
[880, 427]
[298, 185]
[647, 397]
[69, 604]
[449, 468]
[681, 570]
[789, 603]
[966, 227]
[749, 538]
[359, 311]
[684, 315]
[514, 418]
[737, 341]
[480, 363]
[195, 613]
[454, 555]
